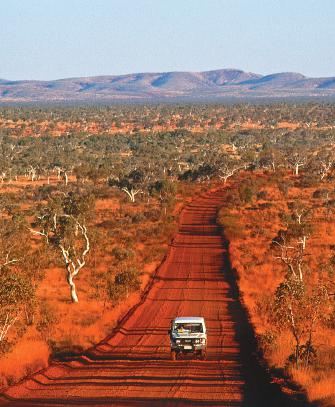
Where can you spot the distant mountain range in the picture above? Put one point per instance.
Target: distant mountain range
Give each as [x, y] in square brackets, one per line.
[207, 85]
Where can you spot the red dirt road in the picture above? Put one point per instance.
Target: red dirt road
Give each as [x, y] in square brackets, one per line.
[133, 366]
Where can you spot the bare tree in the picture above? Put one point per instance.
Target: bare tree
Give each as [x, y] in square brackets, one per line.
[288, 310]
[227, 167]
[270, 158]
[290, 244]
[32, 172]
[131, 192]
[131, 184]
[326, 161]
[291, 255]
[297, 159]
[63, 173]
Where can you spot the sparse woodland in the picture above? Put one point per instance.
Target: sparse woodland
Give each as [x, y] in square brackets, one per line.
[89, 199]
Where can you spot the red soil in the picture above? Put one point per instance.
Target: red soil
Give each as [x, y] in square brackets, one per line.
[133, 366]
[38, 128]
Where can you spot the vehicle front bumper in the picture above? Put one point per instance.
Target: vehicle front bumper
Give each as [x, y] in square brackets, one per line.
[188, 347]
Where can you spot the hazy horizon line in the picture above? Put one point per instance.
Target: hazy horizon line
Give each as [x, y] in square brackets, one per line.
[159, 72]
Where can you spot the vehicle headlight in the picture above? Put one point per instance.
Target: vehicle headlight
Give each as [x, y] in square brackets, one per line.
[203, 341]
[197, 341]
[177, 340]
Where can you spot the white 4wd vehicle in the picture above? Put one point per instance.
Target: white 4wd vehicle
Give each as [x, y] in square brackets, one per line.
[188, 335]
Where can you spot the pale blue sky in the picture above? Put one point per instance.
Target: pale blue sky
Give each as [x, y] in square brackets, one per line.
[50, 39]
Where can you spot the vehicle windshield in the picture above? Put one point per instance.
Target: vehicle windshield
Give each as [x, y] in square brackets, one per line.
[188, 327]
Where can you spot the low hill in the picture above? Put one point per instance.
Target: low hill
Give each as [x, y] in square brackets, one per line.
[167, 86]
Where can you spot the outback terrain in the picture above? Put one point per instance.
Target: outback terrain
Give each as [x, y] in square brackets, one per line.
[133, 365]
[217, 84]
[235, 204]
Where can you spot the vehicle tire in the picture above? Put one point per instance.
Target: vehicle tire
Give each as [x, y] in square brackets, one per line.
[203, 355]
[173, 355]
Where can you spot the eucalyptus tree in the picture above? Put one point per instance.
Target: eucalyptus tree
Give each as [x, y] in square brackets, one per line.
[227, 166]
[17, 288]
[290, 243]
[63, 224]
[15, 292]
[299, 306]
[325, 162]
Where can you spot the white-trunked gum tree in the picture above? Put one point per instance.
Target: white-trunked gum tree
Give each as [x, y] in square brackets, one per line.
[63, 224]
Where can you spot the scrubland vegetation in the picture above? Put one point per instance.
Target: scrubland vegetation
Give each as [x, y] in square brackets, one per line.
[154, 118]
[89, 201]
[281, 233]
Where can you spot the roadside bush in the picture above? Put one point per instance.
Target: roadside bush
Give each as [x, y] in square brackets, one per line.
[129, 278]
[325, 359]
[232, 198]
[143, 234]
[264, 305]
[137, 218]
[115, 292]
[47, 320]
[231, 225]
[320, 193]
[124, 283]
[121, 253]
[152, 214]
[167, 230]
[155, 253]
[246, 194]
[16, 292]
[67, 345]
[5, 346]
[246, 191]
[266, 340]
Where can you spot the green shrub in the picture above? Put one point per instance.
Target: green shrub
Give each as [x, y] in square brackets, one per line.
[129, 278]
[121, 285]
[47, 320]
[68, 344]
[121, 253]
[115, 292]
[154, 253]
[246, 193]
[5, 346]
[266, 341]
[231, 224]
[307, 180]
[321, 193]
[232, 198]
[152, 214]
[137, 218]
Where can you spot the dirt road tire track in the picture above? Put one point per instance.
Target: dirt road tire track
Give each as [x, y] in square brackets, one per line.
[133, 366]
